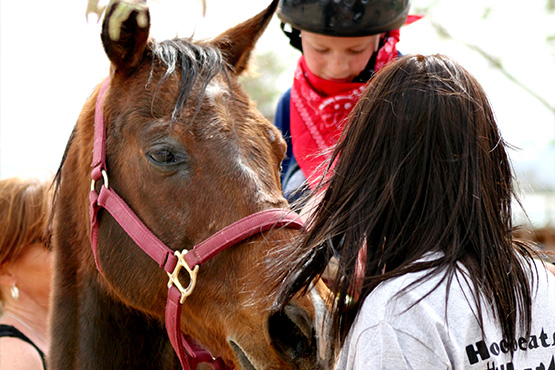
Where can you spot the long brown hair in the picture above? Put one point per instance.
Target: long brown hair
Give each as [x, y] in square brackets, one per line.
[422, 167]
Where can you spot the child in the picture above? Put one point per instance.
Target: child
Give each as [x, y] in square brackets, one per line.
[422, 185]
[343, 43]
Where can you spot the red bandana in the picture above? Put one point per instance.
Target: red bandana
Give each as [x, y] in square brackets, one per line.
[319, 108]
[388, 52]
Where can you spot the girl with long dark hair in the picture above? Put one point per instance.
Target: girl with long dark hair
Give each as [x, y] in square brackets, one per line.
[417, 210]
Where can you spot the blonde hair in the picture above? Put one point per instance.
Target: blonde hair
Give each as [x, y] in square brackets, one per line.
[24, 214]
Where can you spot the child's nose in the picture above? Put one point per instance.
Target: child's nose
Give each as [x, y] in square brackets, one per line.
[339, 67]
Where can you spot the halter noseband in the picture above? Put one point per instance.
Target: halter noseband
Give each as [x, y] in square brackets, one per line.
[189, 352]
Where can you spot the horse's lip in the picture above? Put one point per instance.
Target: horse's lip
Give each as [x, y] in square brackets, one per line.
[242, 357]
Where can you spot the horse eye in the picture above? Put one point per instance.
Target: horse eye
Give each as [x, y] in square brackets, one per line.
[163, 156]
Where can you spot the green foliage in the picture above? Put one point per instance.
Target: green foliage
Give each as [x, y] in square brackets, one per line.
[260, 84]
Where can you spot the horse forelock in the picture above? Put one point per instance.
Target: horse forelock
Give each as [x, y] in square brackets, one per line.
[193, 61]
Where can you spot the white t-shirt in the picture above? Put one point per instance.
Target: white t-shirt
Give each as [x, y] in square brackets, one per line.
[388, 335]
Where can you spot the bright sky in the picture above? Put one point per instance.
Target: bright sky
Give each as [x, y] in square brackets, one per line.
[51, 59]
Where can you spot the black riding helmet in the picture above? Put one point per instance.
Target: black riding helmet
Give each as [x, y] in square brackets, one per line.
[348, 18]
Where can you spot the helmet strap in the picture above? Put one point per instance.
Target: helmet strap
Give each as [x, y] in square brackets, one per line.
[368, 72]
[294, 36]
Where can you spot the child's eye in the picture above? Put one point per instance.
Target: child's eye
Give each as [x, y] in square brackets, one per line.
[356, 51]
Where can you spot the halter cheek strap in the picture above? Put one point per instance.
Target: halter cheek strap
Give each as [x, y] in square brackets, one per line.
[190, 353]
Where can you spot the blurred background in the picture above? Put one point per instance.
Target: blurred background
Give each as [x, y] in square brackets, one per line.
[51, 58]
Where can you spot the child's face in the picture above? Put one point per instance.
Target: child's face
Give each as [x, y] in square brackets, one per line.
[338, 59]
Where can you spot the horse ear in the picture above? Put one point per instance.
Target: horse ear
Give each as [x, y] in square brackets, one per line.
[125, 31]
[237, 43]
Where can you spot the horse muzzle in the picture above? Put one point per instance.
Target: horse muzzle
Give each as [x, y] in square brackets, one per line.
[293, 336]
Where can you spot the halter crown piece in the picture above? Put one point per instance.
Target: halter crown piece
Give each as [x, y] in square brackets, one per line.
[190, 353]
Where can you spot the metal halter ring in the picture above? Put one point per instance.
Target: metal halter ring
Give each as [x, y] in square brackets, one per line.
[174, 276]
[104, 176]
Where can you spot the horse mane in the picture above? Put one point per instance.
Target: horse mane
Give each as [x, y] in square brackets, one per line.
[57, 180]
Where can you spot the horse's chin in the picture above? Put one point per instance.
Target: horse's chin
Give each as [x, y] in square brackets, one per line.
[242, 357]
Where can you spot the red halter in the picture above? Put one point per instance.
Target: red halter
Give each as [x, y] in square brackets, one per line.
[189, 352]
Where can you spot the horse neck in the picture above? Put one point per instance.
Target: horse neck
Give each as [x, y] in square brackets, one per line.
[112, 333]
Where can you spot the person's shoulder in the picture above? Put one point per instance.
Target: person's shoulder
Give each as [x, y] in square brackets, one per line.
[544, 266]
[18, 355]
[543, 278]
[419, 300]
[285, 97]
[391, 299]
[407, 287]
[281, 119]
[550, 267]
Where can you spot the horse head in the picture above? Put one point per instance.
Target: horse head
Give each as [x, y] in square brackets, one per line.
[189, 154]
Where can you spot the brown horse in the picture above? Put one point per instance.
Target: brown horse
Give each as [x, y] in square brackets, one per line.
[188, 153]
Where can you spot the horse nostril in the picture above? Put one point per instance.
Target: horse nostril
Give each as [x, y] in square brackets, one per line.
[292, 334]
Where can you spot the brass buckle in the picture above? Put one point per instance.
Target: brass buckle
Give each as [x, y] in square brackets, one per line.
[174, 276]
[104, 176]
